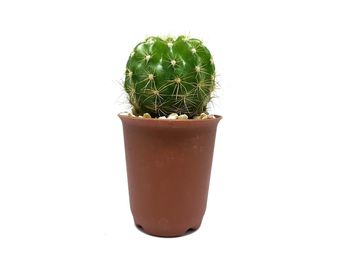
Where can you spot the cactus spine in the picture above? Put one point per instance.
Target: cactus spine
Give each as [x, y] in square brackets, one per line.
[165, 76]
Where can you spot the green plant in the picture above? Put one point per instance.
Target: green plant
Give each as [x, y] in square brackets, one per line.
[167, 75]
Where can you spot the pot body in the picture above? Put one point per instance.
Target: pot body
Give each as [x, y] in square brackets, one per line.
[168, 167]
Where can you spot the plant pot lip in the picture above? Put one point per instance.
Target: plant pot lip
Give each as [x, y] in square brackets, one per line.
[138, 119]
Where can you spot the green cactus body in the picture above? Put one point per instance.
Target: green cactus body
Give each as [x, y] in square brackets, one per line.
[169, 75]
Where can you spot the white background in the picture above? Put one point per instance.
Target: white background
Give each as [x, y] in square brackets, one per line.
[280, 188]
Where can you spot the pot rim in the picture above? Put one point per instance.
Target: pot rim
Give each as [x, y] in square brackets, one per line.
[126, 117]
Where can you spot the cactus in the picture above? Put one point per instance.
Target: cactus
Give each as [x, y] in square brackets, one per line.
[167, 75]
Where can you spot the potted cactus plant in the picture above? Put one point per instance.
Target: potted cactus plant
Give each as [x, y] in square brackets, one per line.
[169, 136]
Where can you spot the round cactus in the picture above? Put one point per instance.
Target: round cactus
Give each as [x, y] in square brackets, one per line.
[165, 76]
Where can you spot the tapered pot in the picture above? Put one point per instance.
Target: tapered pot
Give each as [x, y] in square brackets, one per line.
[168, 167]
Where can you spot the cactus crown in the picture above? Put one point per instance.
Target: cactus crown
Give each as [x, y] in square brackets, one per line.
[165, 76]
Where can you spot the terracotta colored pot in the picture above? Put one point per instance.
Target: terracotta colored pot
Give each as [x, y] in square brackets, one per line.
[168, 166]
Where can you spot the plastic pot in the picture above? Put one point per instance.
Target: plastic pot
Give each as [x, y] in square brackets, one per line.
[168, 168]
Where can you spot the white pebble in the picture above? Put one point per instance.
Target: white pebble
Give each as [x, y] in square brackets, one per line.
[173, 116]
[183, 116]
[147, 115]
[203, 116]
[162, 118]
[211, 116]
